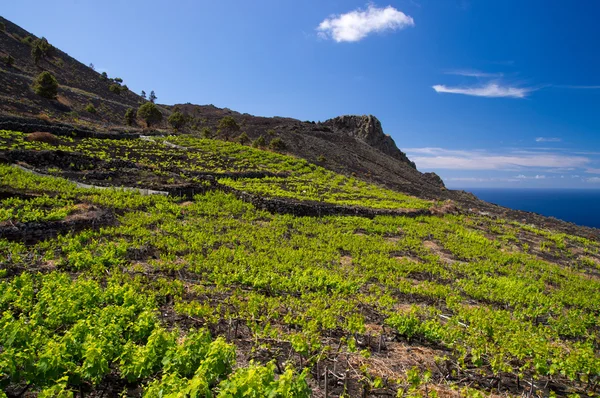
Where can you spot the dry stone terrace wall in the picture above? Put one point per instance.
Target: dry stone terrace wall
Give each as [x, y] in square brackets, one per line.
[272, 205]
[32, 125]
[33, 232]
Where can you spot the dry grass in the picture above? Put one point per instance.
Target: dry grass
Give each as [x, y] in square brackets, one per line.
[40, 136]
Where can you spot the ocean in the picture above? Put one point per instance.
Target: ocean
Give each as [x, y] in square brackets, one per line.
[579, 206]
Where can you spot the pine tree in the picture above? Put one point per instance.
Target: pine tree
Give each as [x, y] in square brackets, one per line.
[45, 85]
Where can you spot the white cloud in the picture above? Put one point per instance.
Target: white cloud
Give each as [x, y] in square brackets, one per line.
[535, 177]
[548, 139]
[472, 73]
[593, 179]
[560, 170]
[358, 24]
[490, 90]
[439, 158]
[592, 171]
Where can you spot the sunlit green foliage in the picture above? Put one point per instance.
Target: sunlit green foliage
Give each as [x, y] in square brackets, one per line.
[45, 85]
[136, 299]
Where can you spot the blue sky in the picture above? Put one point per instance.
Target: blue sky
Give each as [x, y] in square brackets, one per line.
[485, 93]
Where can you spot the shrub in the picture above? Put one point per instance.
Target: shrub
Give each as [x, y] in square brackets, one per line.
[277, 144]
[118, 80]
[44, 46]
[115, 88]
[104, 76]
[90, 108]
[152, 98]
[130, 117]
[36, 54]
[227, 125]
[176, 119]
[206, 132]
[259, 142]
[40, 48]
[41, 136]
[271, 132]
[9, 60]
[321, 158]
[27, 40]
[243, 138]
[149, 113]
[45, 85]
[2, 27]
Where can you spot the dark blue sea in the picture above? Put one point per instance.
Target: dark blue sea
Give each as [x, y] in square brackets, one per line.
[579, 206]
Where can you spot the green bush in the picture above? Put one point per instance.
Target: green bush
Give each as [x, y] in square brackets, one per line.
[227, 125]
[44, 46]
[27, 40]
[9, 60]
[176, 119]
[36, 54]
[115, 88]
[45, 85]
[104, 76]
[206, 132]
[277, 144]
[321, 158]
[243, 138]
[91, 108]
[149, 113]
[2, 27]
[259, 142]
[130, 117]
[40, 48]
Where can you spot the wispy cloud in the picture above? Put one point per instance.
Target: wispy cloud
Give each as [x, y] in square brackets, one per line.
[535, 177]
[576, 87]
[358, 24]
[439, 158]
[472, 73]
[481, 179]
[490, 90]
[594, 180]
[592, 171]
[548, 139]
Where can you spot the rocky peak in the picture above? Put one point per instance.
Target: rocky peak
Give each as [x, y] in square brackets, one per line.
[367, 128]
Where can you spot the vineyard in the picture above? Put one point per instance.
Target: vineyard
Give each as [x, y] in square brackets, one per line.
[205, 295]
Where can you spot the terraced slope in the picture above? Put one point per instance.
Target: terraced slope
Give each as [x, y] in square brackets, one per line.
[351, 145]
[204, 293]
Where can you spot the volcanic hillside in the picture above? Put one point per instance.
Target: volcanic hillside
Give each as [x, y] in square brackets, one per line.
[219, 254]
[350, 144]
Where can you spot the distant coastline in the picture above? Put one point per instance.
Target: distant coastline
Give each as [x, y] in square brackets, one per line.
[579, 206]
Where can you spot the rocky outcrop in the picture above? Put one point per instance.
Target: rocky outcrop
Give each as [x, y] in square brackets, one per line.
[434, 179]
[368, 130]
